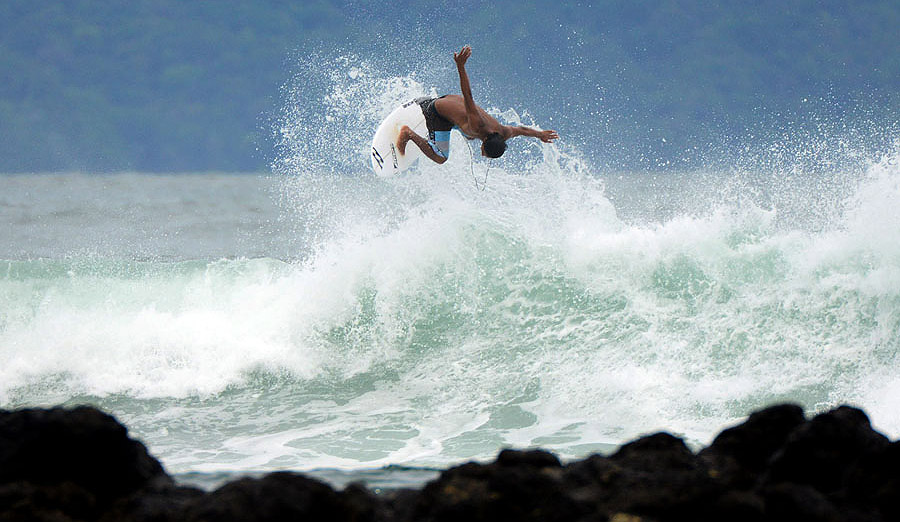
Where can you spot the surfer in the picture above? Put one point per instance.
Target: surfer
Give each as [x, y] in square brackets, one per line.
[453, 111]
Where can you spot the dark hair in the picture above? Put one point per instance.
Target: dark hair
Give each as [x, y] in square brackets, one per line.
[494, 145]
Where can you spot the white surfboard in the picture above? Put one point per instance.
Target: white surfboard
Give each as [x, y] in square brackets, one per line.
[386, 159]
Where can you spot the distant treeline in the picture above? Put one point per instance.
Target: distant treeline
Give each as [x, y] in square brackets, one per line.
[182, 85]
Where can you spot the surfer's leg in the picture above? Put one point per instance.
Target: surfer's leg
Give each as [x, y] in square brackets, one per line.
[428, 148]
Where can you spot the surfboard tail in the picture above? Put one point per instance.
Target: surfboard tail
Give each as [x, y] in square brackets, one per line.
[386, 157]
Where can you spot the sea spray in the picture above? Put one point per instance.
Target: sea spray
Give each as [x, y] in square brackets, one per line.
[421, 321]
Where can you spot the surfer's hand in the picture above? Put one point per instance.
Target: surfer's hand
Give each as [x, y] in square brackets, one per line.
[463, 55]
[548, 136]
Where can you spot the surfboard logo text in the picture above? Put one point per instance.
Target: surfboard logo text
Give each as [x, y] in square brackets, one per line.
[378, 158]
[394, 155]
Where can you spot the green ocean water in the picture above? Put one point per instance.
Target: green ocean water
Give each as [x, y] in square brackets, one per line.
[317, 318]
[451, 323]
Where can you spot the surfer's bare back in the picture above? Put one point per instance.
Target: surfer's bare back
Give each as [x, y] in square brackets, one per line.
[453, 111]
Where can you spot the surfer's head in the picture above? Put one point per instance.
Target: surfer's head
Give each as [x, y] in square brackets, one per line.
[494, 145]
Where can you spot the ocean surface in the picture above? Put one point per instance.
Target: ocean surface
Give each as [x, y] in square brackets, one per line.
[315, 318]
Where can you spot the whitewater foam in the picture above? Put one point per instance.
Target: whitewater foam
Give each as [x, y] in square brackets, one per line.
[422, 321]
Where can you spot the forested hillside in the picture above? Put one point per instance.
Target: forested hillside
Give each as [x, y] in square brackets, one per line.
[174, 85]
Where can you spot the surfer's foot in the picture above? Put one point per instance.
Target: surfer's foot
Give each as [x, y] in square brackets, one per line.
[403, 139]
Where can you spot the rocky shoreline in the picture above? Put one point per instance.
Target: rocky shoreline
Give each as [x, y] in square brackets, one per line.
[79, 464]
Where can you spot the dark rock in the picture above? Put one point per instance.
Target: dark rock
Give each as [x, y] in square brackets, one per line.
[739, 506]
[818, 452]
[153, 505]
[594, 470]
[63, 501]
[739, 455]
[364, 506]
[662, 478]
[525, 486]
[874, 482]
[73, 461]
[652, 452]
[798, 503]
[400, 504]
[656, 476]
[274, 497]
[530, 458]
[79, 464]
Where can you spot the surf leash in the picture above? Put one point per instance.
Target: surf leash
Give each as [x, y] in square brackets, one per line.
[482, 184]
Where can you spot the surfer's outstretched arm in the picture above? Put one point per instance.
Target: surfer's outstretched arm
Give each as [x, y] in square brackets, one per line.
[547, 136]
[407, 135]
